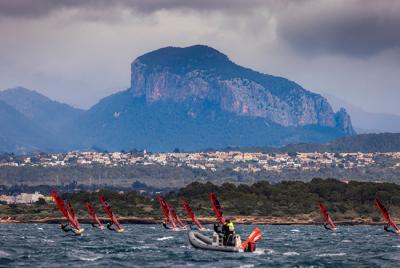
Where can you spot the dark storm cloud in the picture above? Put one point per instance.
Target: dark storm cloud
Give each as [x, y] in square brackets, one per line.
[34, 8]
[355, 28]
[360, 28]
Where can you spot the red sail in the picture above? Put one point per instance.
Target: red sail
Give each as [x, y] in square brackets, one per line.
[385, 214]
[326, 216]
[109, 212]
[217, 207]
[71, 212]
[172, 211]
[165, 209]
[91, 211]
[61, 205]
[191, 214]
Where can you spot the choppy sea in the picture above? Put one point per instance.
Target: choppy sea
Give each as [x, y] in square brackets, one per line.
[45, 245]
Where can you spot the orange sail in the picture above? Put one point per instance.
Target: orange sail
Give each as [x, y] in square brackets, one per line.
[253, 238]
[326, 216]
[110, 214]
[385, 214]
[93, 214]
[191, 214]
[165, 209]
[217, 208]
[68, 212]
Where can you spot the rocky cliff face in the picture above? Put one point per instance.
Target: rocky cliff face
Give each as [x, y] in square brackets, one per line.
[202, 73]
[343, 121]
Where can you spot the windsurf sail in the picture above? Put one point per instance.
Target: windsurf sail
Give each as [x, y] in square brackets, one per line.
[95, 219]
[326, 216]
[71, 211]
[253, 238]
[68, 212]
[217, 208]
[110, 214]
[165, 209]
[191, 214]
[176, 218]
[385, 214]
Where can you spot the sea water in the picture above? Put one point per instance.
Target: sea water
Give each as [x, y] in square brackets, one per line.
[46, 245]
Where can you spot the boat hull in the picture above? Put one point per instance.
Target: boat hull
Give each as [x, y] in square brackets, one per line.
[200, 241]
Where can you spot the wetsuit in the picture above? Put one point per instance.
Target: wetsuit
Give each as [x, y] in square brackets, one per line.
[386, 228]
[109, 226]
[327, 227]
[65, 229]
[95, 225]
[165, 226]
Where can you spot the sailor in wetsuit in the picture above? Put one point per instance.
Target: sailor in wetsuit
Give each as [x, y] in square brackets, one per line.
[165, 225]
[328, 227]
[109, 226]
[95, 225]
[386, 227]
[228, 230]
[65, 228]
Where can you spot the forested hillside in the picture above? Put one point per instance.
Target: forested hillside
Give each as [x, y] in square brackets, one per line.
[353, 201]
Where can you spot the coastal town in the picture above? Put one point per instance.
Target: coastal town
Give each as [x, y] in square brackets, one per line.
[212, 161]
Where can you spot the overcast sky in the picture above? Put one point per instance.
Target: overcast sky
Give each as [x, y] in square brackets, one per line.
[80, 51]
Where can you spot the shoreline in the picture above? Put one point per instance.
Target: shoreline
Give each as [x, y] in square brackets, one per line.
[245, 220]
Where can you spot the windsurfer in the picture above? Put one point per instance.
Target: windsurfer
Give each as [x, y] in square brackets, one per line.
[67, 228]
[109, 226]
[192, 216]
[328, 227]
[165, 225]
[95, 225]
[386, 227]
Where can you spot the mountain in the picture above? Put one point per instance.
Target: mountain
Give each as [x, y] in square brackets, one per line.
[189, 98]
[365, 143]
[121, 122]
[367, 122]
[56, 118]
[203, 73]
[195, 97]
[19, 134]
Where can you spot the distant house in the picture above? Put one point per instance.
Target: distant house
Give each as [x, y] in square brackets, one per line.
[22, 198]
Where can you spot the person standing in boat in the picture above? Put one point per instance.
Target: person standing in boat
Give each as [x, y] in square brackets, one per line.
[228, 229]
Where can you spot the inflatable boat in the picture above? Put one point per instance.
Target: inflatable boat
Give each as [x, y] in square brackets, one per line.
[200, 241]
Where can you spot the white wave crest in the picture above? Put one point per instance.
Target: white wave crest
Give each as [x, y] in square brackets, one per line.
[4, 254]
[89, 258]
[291, 253]
[165, 238]
[331, 254]
[261, 251]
